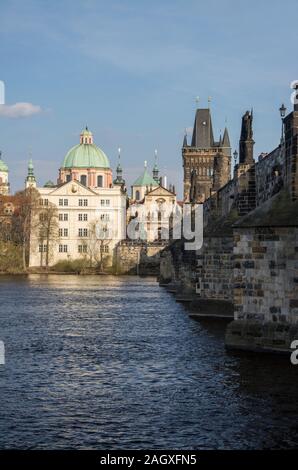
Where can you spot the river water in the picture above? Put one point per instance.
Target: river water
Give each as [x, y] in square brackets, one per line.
[100, 362]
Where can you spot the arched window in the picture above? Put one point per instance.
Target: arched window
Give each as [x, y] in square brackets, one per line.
[99, 181]
[137, 195]
[83, 180]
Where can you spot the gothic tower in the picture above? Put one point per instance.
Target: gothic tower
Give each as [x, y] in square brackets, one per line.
[206, 162]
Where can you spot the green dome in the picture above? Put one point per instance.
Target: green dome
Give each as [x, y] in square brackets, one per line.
[49, 184]
[86, 154]
[3, 166]
[145, 180]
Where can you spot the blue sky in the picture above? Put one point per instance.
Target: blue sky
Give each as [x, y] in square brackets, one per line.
[131, 70]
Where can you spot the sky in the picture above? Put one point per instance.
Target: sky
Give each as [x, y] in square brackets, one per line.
[131, 70]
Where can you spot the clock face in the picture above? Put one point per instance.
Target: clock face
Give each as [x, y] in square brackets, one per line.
[204, 123]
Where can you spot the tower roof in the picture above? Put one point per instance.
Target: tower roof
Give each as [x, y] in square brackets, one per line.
[202, 136]
[226, 139]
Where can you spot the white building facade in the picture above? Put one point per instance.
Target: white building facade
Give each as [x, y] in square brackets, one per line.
[78, 221]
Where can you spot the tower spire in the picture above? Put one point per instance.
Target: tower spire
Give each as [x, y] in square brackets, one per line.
[119, 181]
[185, 138]
[155, 171]
[30, 181]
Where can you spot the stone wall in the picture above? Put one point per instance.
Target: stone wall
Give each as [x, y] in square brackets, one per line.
[270, 175]
[138, 258]
[178, 266]
[214, 269]
[265, 288]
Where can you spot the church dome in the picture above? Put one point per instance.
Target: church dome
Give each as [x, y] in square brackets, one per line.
[86, 154]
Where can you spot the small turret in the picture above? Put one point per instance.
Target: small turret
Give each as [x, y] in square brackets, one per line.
[30, 181]
[185, 140]
[155, 171]
[119, 181]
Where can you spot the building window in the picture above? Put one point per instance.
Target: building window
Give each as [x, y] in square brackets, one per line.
[106, 248]
[60, 217]
[99, 181]
[43, 248]
[83, 180]
[65, 218]
[105, 217]
[63, 202]
[107, 202]
[83, 202]
[68, 178]
[83, 232]
[65, 232]
[137, 195]
[102, 202]
[62, 248]
[60, 232]
[44, 202]
[83, 217]
[82, 248]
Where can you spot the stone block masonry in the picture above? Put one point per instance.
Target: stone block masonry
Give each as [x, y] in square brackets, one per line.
[265, 290]
[138, 258]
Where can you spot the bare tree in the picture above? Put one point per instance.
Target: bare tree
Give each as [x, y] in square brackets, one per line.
[48, 227]
[97, 243]
[22, 220]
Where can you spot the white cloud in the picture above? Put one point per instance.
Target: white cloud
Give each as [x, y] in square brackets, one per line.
[18, 110]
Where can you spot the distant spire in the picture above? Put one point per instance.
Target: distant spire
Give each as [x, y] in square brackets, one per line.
[30, 179]
[155, 168]
[119, 181]
[185, 139]
[226, 139]
[30, 168]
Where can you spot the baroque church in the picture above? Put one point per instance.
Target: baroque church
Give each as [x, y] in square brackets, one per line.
[91, 208]
[206, 162]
